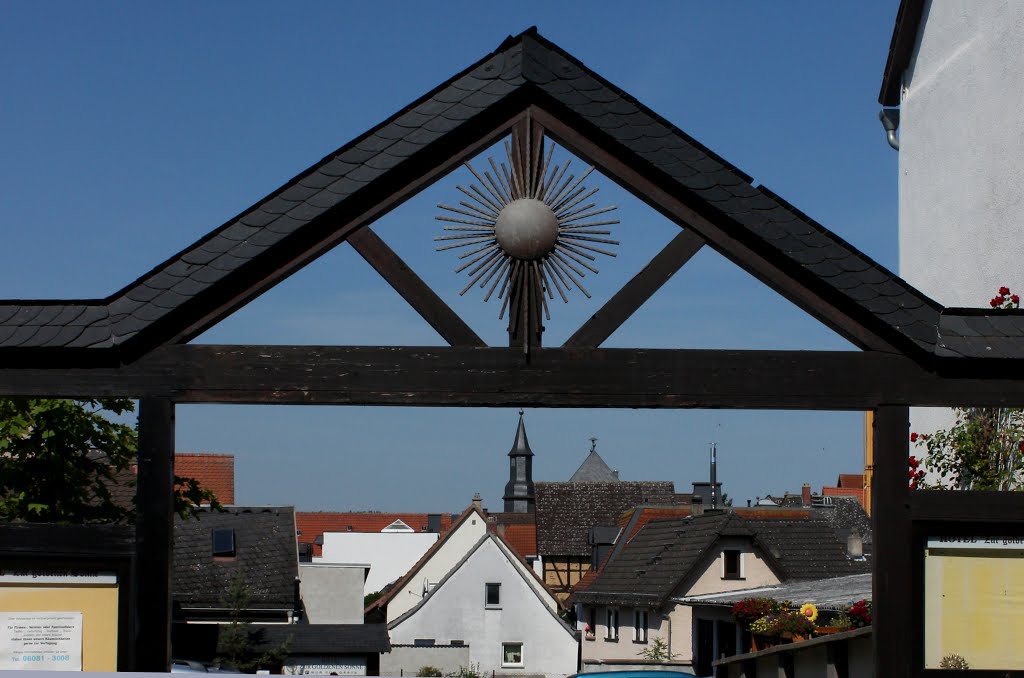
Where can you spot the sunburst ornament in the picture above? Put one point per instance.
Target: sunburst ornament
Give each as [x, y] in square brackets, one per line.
[529, 228]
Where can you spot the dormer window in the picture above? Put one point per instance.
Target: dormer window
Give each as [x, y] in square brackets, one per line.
[732, 564]
[224, 542]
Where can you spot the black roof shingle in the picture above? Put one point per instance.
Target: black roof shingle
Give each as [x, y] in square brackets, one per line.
[665, 553]
[567, 511]
[195, 288]
[265, 556]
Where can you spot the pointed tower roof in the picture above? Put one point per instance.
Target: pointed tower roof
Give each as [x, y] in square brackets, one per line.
[594, 469]
[521, 446]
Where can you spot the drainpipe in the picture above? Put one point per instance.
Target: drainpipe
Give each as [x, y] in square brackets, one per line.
[890, 118]
[668, 618]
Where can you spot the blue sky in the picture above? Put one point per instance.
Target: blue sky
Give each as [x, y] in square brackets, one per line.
[128, 131]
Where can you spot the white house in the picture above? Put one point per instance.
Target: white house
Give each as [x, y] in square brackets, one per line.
[493, 604]
[954, 72]
[439, 560]
[389, 553]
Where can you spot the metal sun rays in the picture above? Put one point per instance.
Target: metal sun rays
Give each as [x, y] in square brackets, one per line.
[517, 202]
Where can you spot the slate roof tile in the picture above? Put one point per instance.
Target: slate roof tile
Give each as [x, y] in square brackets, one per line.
[665, 553]
[757, 216]
[265, 555]
[567, 511]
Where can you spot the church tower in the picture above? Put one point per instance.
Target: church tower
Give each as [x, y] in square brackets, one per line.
[519, 497]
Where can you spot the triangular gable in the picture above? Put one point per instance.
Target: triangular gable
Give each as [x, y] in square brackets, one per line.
[400, 585]
[525, 572]
[351, 187]
[398, 526]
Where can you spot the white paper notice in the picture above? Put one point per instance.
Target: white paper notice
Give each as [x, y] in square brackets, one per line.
[41, 641]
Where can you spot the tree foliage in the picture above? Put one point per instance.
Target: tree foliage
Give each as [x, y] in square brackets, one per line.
[235, 642]
[61, 459]
[982, 450]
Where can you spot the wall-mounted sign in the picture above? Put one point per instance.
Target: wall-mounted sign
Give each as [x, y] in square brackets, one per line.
[974, 590]
[41, 641]
[39, 577]
[325, 666]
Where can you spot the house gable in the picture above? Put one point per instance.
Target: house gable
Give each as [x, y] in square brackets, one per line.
[431, 568]
[456, 609]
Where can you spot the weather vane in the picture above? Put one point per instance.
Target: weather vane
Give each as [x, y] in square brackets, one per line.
[530, 231]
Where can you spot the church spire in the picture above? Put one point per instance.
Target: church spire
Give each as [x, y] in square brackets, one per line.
[519, 497]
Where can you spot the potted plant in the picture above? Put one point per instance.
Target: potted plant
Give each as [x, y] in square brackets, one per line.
[837, 623]
[749, 610]
[794, 626]
[588, 632]
[763, 633]
[860, 613]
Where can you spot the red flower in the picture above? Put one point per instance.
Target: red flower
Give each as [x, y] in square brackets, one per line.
[914, 462]
[1004, 291]
[1022, 446]
[1015, 299]
[993, 302]
[913, 439]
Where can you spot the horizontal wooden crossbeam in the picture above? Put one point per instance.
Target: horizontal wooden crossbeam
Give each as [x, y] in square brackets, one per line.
[492, 377]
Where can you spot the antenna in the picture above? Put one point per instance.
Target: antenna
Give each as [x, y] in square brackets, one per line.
[714, 476]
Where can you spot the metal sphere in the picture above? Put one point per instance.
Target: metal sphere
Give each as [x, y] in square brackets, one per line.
[526, 229]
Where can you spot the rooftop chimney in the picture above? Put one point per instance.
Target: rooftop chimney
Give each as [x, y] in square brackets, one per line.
[697, 507]
[477, 501]
[805, 494]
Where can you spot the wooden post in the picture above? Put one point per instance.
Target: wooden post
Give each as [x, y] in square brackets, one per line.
[154, 535]
[892, 569]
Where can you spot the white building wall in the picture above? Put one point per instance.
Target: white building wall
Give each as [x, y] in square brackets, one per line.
[332, 594]
[390, 555]
[457, 544]
[455, 610]
[961, 158]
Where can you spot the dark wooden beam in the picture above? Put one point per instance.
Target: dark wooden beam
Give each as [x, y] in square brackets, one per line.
[420, 296]
[717, 236]
[154, 535]
[415, 174]
[637, 291]
[499, 377]
[892, 562]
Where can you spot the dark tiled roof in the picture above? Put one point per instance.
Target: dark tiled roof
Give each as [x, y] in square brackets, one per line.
[845, 515]
[975, 333]
[594, 470]
[666, 552]
[187, 292]
[830, 594]
[265, 555]
[567, 511]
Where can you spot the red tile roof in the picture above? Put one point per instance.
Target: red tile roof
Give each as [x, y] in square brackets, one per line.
[853, 481]
[522, 538]
[215, 472]
[312, 524]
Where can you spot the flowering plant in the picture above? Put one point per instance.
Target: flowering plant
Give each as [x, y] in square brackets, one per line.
[749, 610]
[764, 626]
[982, 450]
[860, 613]
[810, 611]
[794, 623]
[1004, 301]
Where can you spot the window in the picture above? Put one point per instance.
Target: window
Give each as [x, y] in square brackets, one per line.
[511, 654]
[640, 626]
[732, 564]
[612, 619]
[492, 595]
[224, 542]
[423, 642]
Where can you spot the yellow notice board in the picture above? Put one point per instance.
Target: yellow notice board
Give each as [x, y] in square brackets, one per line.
[974, 601]
[94, 595]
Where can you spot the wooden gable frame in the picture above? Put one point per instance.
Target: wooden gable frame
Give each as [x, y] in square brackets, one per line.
[134, 343]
